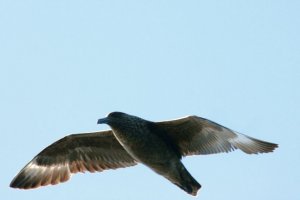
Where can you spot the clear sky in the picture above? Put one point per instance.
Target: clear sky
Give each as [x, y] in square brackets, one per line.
[64, 64]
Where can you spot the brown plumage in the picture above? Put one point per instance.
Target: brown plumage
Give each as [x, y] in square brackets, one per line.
[132, 140]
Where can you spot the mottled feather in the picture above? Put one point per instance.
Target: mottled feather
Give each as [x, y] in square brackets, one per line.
[194, 135]
[91, 152]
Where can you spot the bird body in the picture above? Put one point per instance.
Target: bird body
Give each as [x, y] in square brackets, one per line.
[147, 145]
[140, 139]
[133, 140]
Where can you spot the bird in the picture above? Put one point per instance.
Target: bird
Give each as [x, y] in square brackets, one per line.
[133, 140]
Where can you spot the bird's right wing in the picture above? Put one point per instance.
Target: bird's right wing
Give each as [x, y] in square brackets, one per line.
[96, 151]
[195, 135]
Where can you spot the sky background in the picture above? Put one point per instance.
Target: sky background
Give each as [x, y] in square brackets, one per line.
[64, 64]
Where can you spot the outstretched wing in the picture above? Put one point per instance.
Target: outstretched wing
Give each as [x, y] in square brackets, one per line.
[195, 135]
[92, 152]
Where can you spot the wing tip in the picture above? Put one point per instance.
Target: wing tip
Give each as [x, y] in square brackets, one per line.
[259, 147]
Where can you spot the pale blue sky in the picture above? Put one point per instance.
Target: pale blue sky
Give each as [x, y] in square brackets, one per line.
[64, 64]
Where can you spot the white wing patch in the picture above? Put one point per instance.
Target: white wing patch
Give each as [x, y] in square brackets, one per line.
[36, 175]
[251, 145]
[240, 138]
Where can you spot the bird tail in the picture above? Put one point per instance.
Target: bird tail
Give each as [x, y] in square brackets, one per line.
[178, 175]
[187, 182]
[183, 179]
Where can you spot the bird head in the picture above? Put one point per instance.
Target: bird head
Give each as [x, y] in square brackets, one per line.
[116, 118]
[113, 116]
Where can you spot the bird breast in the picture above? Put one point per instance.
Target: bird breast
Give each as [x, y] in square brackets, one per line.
[144, 146]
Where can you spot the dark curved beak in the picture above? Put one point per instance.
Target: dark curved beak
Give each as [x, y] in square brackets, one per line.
[102, 121]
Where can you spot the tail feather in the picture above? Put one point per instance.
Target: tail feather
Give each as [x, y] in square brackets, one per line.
[175, 172]
[188, 183]
[184, 180]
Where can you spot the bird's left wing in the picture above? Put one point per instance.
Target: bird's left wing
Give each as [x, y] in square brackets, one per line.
[195, 135]
[96, 151]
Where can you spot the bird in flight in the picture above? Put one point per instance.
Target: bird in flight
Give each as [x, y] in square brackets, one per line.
[132, 140]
